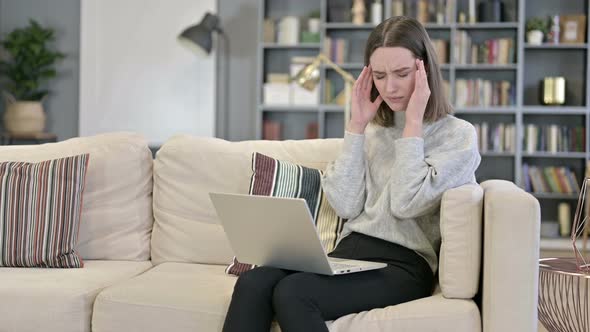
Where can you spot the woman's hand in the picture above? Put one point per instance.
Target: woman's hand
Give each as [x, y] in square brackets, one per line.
[363, 110]
[417, 103]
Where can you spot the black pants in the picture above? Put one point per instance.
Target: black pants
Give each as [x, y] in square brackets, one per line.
[304, 301]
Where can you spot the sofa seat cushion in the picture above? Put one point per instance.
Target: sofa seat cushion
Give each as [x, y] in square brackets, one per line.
[36, 299]
[194, 297]
[430, 314]
[170, 297]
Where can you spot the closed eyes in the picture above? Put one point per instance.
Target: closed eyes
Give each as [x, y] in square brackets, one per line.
[380, 77]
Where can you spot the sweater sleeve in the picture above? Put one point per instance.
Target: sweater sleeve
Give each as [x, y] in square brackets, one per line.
[418, 182]
[344, 179]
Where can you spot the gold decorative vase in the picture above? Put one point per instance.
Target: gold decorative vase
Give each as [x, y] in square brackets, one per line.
[553, 90]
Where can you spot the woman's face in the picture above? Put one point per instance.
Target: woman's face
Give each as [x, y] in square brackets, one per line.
[394, 72]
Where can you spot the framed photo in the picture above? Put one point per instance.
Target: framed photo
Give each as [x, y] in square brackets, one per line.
[573, 29]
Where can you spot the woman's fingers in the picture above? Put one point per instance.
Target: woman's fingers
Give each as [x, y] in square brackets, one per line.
[421, 78]
[363, 80]
[368, 81]
[367, 77]
[425, 80]
[358, 80]
[417, 76]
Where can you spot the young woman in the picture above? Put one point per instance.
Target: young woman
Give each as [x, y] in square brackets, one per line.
[402, 150]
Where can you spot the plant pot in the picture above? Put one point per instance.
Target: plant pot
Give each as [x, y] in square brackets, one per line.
[313, 25]
[24, 117]
[535, 37]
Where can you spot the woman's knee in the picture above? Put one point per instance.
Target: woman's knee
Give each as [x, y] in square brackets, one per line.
[260, 278]
[293, 288]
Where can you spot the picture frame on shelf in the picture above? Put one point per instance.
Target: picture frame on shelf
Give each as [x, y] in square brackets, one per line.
[573, 29]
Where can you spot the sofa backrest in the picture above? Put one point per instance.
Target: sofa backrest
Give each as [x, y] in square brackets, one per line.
[117, 217]
[187, 168]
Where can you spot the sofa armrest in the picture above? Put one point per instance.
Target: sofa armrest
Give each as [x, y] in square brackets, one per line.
[510, 261]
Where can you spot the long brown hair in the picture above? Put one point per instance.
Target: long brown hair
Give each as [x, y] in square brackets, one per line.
[406, 32]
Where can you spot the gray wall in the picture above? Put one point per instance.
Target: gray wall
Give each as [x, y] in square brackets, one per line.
[239, 19]
[64, 17]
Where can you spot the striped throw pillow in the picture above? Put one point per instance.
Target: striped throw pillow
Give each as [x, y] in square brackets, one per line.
[40, 206]
[277, 178]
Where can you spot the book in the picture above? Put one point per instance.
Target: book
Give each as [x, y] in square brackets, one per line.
[271, 130]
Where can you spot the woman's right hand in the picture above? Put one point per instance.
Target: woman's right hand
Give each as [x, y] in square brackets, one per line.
[363, 110]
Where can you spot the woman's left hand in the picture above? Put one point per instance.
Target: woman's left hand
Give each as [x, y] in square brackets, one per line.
[419, 99]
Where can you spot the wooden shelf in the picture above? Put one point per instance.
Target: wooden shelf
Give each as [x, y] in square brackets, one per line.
[289, 108]
[571, 155]
[488, 25]
[485, 66]
[347, 25]
[556, 46]
[347, 66]
[436, 26]
[291, 46]
[554, 110]
[332, 108]
[485, 110]
[497, 154]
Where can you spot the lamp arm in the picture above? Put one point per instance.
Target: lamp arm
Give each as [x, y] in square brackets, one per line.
[337, 68]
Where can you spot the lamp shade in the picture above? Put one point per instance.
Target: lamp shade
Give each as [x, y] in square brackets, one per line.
[309, 76]
[201, 34]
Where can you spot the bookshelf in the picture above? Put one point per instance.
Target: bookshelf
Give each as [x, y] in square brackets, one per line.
[524, 69]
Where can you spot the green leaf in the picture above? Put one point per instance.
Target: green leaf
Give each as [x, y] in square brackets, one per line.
[30, 61]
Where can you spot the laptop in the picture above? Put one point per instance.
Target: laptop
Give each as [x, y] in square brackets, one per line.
[278, 232]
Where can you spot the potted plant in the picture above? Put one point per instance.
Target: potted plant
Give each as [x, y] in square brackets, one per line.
[314, 21]
[29, 63]
[536, 29]
[312, 35]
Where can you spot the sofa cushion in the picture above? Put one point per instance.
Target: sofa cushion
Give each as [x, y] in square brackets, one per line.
[170, 297]
[430, 314]
[187, 168]
[40, 212]
[194, 297]
[116, 218]
[33, 299]
[461, 227]
[279, 178]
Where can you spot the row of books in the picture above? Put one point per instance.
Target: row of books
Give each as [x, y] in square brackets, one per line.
[500, 137]
[484, 93]
[425, 11]
[554, 138]
[441, 47]
[550, 180]
[499, 51]
[336, 49]
[342, 50]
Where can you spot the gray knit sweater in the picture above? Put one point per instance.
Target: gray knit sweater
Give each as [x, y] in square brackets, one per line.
[391, 187]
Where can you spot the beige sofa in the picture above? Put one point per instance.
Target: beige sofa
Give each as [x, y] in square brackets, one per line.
[155, 254]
